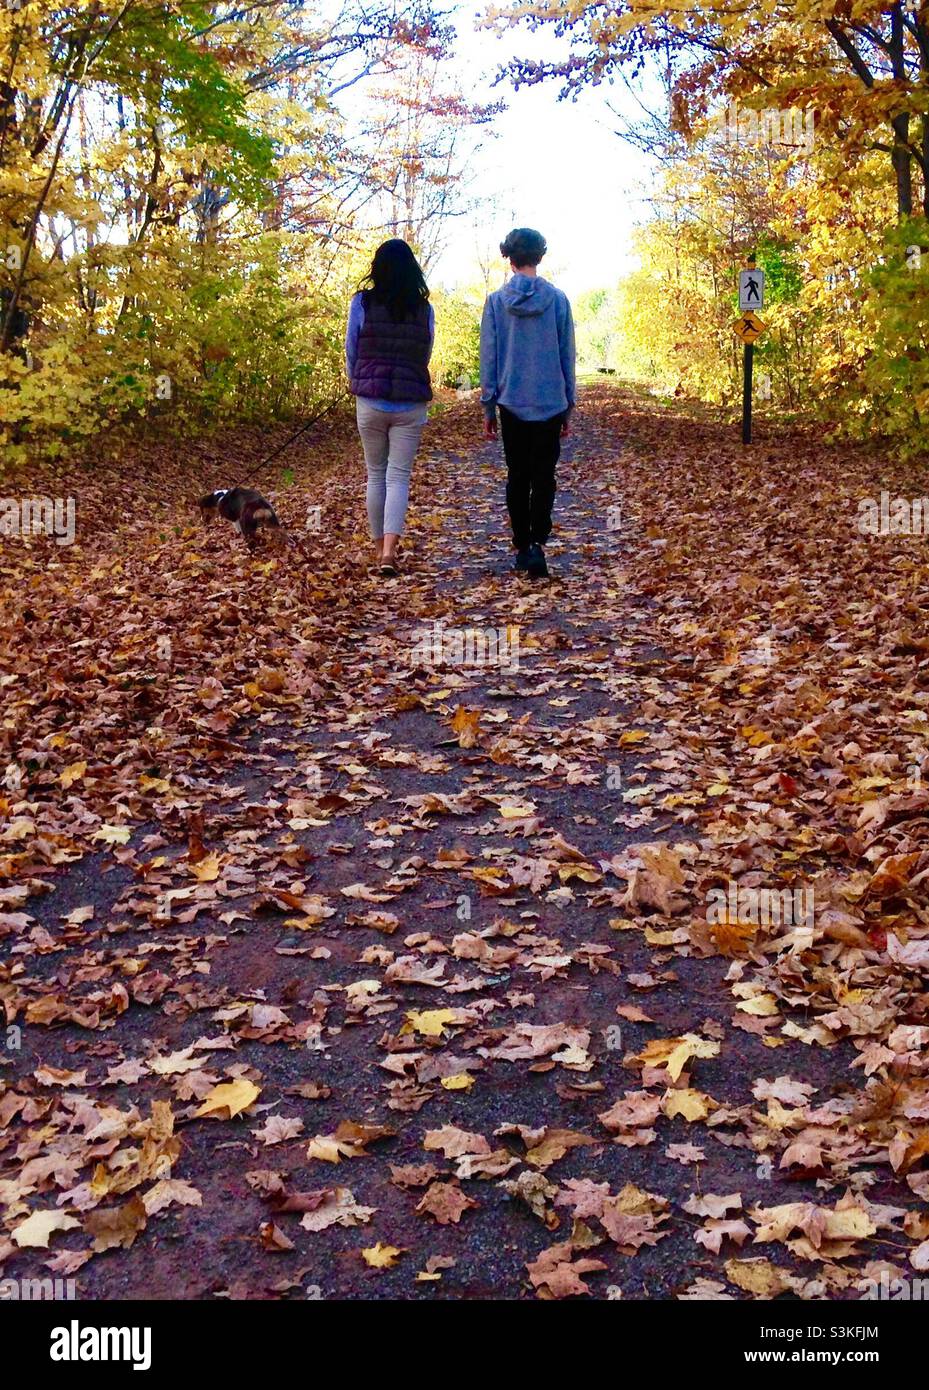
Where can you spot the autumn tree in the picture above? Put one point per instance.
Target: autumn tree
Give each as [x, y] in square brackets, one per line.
[421, 137]
[178, 206]
[863, 69]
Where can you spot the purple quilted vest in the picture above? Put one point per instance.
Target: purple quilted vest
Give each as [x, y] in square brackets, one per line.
[393, 358]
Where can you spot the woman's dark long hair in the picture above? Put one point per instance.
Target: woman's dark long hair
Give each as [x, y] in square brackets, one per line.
[396, 280]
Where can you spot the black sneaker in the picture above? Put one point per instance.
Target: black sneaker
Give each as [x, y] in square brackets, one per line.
[536, 566]
[521, 563]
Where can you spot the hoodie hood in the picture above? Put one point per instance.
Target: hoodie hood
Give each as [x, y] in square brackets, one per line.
[527, 295]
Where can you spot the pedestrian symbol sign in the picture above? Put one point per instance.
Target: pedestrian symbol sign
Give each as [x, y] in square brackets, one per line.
[751, 289]
[749, 328]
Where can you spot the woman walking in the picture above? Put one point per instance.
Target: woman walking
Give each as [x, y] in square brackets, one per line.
[388, 344]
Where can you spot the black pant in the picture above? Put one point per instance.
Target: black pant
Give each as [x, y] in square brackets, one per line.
[532, 449]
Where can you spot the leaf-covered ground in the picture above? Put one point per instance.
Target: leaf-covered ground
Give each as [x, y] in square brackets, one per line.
[331, 971]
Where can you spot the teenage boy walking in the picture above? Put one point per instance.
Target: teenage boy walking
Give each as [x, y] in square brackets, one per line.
[527, 372]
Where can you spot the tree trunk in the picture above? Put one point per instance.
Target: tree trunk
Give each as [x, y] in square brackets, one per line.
[901, 123]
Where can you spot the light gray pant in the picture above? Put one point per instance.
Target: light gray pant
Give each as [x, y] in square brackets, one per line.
[390, 440]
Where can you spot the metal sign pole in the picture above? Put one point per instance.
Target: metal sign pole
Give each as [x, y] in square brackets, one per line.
[748, 328]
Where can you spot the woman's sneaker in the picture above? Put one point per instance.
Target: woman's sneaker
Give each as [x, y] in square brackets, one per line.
[521, 563]
[536, 566]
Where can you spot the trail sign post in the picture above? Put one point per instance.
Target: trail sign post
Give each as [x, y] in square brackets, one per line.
[748, 356]
[751, 289]
[748, 327]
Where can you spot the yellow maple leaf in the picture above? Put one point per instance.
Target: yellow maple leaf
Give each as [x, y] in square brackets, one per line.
[207, 870]
[675, 1053]
[851, 1223]
[430, 1023]
[691, 1105]
[154, 784]
[755, 737]
[465, 723]
[761, 1006]
[461, 1081]
[381, 1256]
[231, 1096]
[325, 1148]
[35, 1231]
[661, 938]
[732, 938]
[778, 1117]
[585, 872]
[680, 799]
[759, 1277]
[690, 1046]
[112, 834]
[72, 773]
[491, 876]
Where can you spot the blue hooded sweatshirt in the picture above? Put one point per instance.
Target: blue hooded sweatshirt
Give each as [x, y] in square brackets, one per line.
[527, 350]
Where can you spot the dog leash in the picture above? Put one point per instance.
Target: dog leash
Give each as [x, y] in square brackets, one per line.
[294, 437]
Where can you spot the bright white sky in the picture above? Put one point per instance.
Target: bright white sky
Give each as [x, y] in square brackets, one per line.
[550, 164]
[554, 165]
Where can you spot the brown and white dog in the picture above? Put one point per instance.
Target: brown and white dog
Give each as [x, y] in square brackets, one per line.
[245, 508]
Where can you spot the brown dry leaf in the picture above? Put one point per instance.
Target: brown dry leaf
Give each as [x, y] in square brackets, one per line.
[556, 1274]
[635, 1110]
[334, 1206]
[452, 1142]
[714, 1232]
[117, 1227]
[273, 1238]
[658, 884]
[244, 767]
[818, 1224]
[446, 1203]
[348, 1141]
[759, 1277]
[278, 1130]
[466, 724]
[168, 1192]
[554, 1144]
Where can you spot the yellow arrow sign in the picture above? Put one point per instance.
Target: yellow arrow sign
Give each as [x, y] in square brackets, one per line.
[749, 327]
